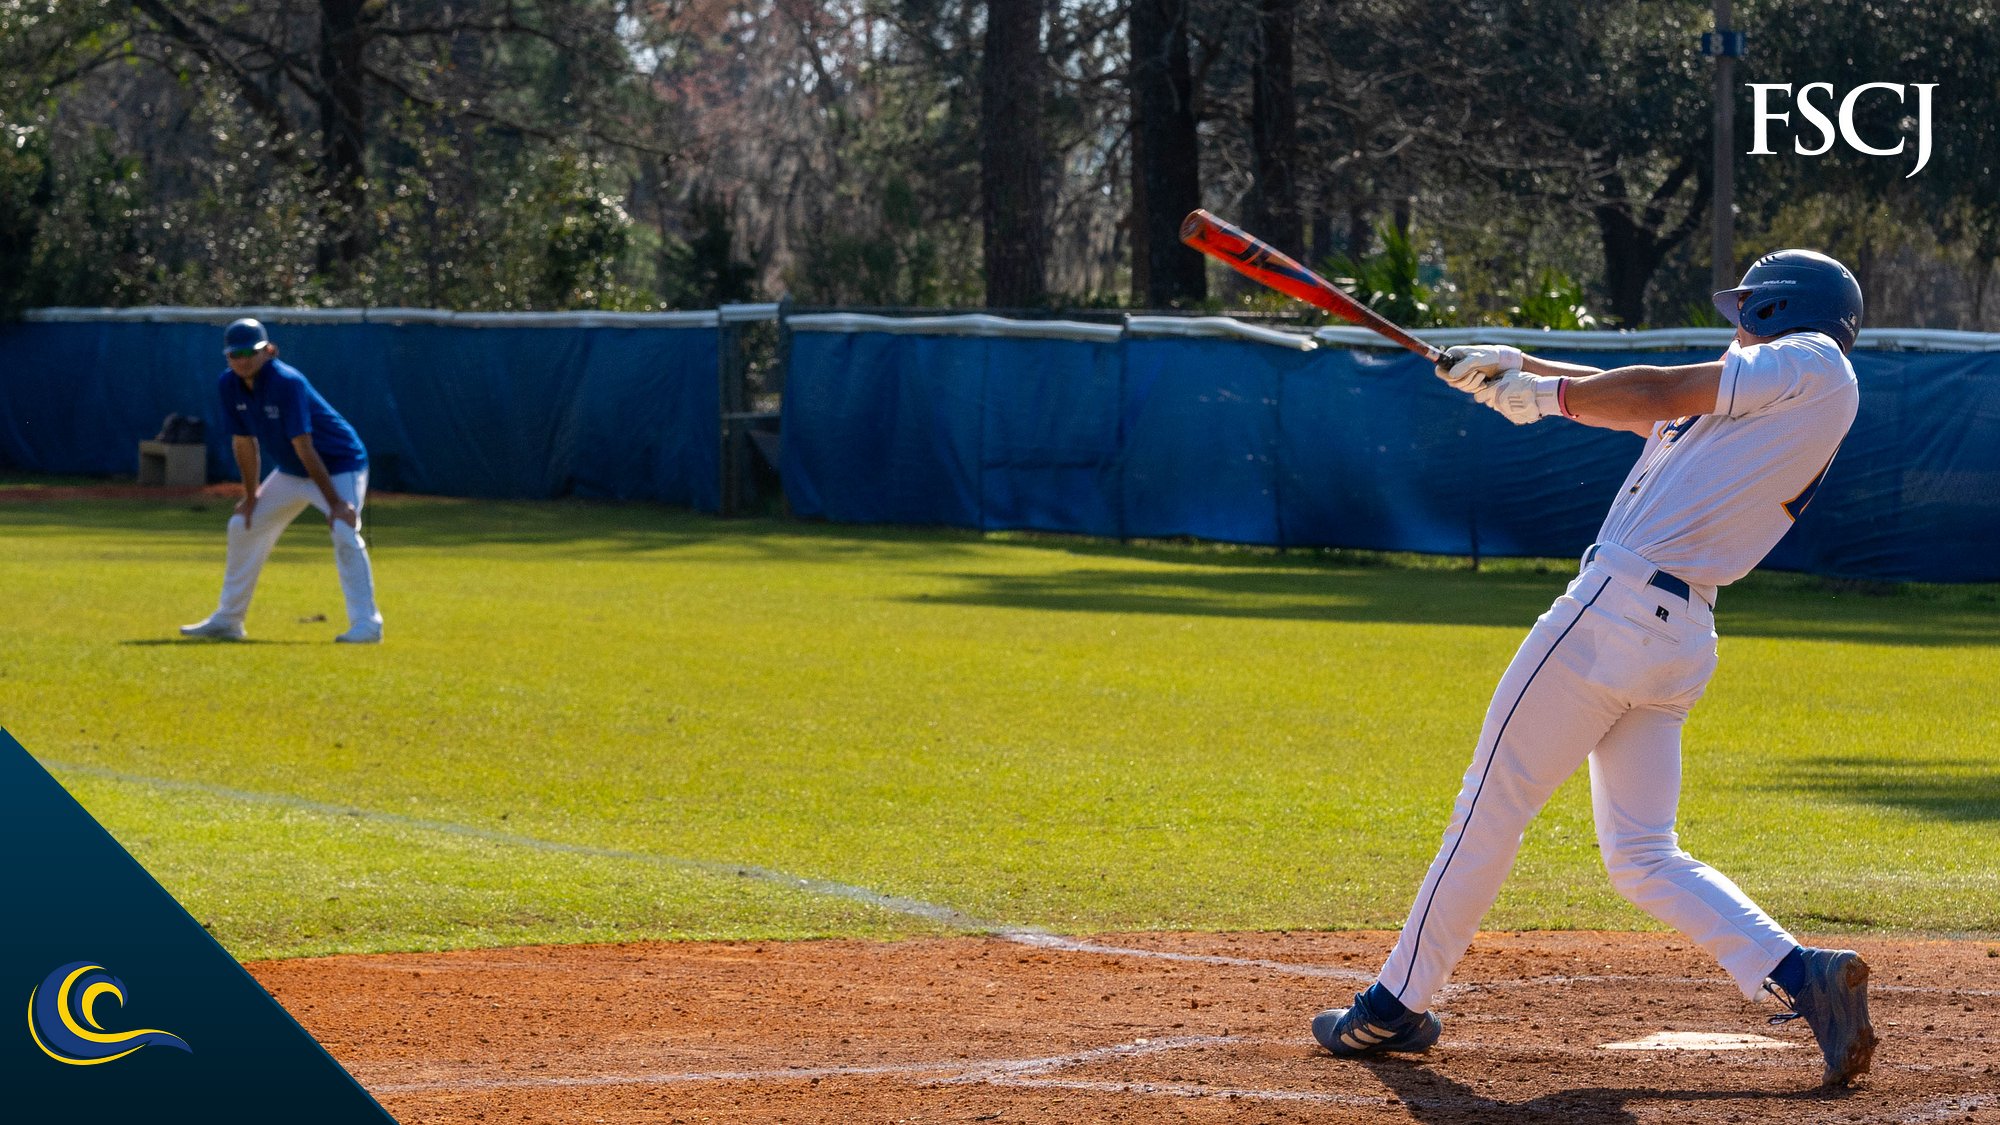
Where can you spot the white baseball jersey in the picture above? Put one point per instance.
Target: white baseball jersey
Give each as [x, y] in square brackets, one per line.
[1609, 673]
[1712, 494]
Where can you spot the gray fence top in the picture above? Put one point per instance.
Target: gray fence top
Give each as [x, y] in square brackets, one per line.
[971, 324]
[1660, 339]
[173, 314]
[982, 324]
[1218, 326]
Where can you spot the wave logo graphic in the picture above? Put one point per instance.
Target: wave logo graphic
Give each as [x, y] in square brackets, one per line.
[62, 1018]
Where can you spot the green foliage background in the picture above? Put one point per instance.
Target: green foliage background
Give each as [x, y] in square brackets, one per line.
[544, 154]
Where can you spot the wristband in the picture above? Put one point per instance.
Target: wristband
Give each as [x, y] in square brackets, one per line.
[1548, 395]
[1562, 398]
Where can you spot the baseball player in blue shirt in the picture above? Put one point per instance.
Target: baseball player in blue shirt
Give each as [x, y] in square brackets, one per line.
[1735, 448]
[318, 460]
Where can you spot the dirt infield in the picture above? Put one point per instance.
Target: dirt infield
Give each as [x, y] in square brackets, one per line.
[1124, 1028]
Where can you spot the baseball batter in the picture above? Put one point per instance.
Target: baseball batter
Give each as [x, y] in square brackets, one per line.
[1734, 450]
[272, 409]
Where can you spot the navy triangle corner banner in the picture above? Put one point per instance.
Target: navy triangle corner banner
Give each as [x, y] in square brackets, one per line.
[132, 1011]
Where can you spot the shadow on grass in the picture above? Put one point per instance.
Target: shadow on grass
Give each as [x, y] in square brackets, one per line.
[197, 642]
[1512, 595]
[444, 523]
[1932, 787]
[1430, 1096]
[1205, 580]
[1369, 595]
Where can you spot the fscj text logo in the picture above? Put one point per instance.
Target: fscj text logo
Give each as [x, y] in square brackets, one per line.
[1761, 116]
[62, 1018]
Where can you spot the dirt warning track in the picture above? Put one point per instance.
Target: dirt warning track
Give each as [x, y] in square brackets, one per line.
[1124, 1028]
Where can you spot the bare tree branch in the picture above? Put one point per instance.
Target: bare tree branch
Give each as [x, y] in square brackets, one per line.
[206, 48]
[123, 48]
[476, 113]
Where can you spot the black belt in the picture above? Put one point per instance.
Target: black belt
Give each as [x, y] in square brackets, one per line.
[1660, 578]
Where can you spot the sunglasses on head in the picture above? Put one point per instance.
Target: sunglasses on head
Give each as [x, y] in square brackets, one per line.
[242, 353]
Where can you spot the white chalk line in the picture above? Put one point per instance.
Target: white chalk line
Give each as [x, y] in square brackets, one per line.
[988, 1071]
[1026, 1072]
[1042, 940]
[1925, 990]
[1185, 1090]
[945, 915]
[952, 1071]
[1033, 1073]
[1874, 988]
[826, 887]
[898, 904]
[1947, 1108]
[662, 1078]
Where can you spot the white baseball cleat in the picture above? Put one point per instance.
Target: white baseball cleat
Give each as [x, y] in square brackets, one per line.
[367, 634]
[210, 627]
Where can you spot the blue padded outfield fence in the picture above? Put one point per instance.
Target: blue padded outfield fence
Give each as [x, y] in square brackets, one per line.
[1172, 427]
[618, 406]
[1157, 427]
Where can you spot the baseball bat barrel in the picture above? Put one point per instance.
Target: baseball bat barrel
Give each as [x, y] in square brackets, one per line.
[1267, 265]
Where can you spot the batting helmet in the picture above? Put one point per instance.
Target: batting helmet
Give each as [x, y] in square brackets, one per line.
[243, 335]
[1792, 290]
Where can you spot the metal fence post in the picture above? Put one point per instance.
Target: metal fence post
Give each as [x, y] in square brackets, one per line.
[738, 398]
[730, 372]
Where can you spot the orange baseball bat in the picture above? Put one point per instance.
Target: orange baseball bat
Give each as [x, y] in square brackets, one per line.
[1263, 263]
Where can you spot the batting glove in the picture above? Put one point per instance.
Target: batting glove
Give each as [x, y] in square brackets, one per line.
[1522, 399]
[1470, 368]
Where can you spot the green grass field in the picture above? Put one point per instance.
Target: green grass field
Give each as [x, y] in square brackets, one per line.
[586, 718]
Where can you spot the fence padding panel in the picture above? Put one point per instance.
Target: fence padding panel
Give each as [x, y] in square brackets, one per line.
[618, 413]
[1241, 442]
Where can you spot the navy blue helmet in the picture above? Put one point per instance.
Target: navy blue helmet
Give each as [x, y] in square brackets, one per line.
[244, 335]
[1791, 290]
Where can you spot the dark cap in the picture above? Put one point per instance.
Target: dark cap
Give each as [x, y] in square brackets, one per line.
[244, 334]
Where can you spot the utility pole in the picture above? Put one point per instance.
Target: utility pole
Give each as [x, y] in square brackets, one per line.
[1725, 45]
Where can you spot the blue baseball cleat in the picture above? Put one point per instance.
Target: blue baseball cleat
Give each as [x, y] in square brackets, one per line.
[1834, 1003]
[1363, 1030]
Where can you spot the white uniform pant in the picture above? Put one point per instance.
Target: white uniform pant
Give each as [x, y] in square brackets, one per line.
[1604, 676]
[280, 499]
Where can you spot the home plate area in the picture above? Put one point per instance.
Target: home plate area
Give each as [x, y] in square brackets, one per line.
[1568, 1027]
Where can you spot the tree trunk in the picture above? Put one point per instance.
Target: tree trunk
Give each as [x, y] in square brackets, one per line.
[1630, 260]
[343, 39]
[1012, 157]
[1165, 156]
[1321, 247]
[1637, 239]
[1142, 262]
[1985, 251]
[1274, 130]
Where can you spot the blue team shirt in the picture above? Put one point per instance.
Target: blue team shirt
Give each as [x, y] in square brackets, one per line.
[282, 407]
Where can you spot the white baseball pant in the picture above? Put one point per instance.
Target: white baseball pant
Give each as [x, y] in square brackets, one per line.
[280, 499]
[1607, 674]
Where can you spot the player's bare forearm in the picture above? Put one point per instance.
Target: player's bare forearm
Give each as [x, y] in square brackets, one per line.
[247, 463]
[1633, 398]
[1536, 365]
